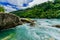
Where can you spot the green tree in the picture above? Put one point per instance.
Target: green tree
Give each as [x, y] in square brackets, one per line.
[2, 9]
[45, 10]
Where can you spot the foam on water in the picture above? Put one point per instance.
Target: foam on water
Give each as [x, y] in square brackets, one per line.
[37, 33]
[41, 31]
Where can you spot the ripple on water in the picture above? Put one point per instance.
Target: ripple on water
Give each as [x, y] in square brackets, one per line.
[39, 32]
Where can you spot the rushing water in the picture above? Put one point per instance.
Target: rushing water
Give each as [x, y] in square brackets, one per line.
[43, 30]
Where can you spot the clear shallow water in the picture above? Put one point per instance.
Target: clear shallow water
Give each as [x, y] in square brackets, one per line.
[43, 30]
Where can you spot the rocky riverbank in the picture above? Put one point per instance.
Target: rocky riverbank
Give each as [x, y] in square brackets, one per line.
[8, 20]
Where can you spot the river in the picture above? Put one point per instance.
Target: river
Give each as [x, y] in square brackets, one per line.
[43, 30]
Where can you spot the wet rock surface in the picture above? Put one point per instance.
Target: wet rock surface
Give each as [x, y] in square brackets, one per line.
[8, 20]
[58, 26]
[28, 21]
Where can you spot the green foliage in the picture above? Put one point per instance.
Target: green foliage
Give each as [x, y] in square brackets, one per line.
[44, 10]
[2, 9]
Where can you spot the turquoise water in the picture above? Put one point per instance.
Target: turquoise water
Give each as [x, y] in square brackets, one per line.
[43, 30]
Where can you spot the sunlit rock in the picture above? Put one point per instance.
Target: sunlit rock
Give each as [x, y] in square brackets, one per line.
[8, 20]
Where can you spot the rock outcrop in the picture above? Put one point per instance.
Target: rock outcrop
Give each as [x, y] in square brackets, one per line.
[8, 20]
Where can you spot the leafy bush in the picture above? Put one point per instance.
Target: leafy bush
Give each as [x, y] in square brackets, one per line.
[2, 9]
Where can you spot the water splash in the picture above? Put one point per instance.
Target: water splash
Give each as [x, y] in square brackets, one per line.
[39, 32]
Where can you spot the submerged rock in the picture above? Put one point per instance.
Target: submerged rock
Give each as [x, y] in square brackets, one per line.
[58, 26]
[8, 20]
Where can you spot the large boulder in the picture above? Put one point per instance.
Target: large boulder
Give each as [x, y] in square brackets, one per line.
[8, 20]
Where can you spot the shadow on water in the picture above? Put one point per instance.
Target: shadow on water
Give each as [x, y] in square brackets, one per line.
[7, 34]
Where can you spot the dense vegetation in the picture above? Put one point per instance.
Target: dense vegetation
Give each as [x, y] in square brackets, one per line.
[44, 10]
[2, 9]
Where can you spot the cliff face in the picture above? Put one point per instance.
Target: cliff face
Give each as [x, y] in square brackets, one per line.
[8, 20]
